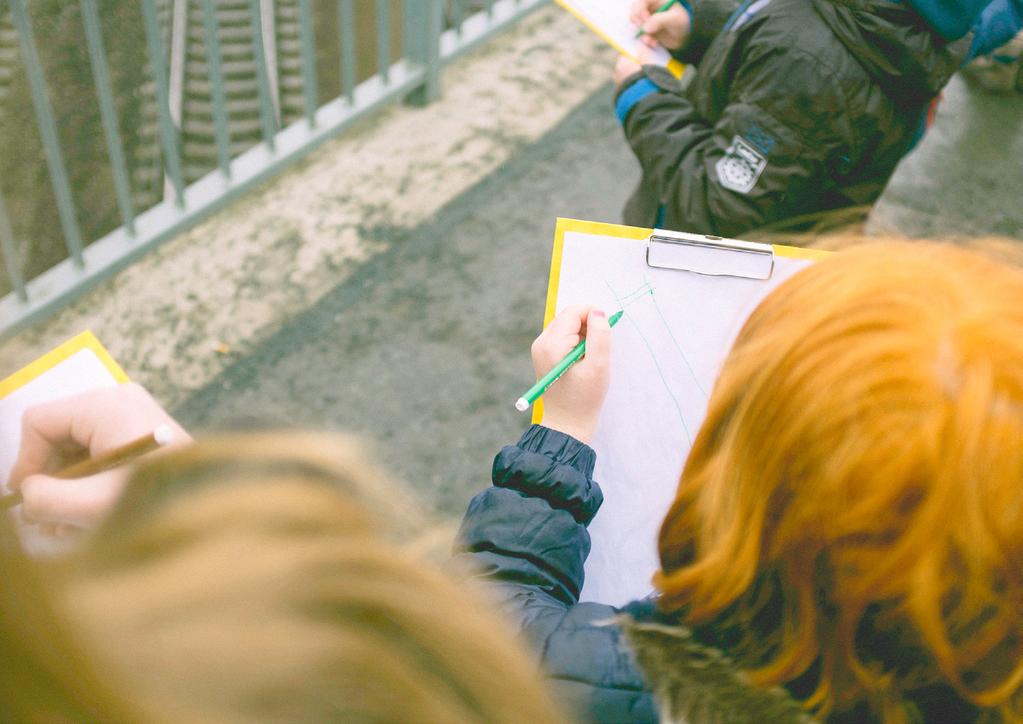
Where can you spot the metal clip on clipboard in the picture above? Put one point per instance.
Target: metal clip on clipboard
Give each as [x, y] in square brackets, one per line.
[712, 255]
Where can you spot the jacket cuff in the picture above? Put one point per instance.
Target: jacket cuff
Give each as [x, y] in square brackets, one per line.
[706, 21]
[553, 466]
[560, 447]
[633, 91]
[680, 53]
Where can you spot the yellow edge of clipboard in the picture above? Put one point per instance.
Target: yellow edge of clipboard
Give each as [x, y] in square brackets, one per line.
[85, 340]
[599, 228]
[677, 68]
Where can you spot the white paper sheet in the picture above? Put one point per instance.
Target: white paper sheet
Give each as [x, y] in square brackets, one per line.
[610, 19]
[667, 349]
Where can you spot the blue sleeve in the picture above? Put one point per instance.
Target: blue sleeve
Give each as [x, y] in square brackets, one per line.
[633, 94]
[999, 22]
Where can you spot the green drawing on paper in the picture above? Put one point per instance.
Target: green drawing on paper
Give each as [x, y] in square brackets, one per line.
[674, 341]
[642, 293]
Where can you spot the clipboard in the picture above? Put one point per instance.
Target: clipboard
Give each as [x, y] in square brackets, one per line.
[80, 364]
[599, 17]
[685, 296]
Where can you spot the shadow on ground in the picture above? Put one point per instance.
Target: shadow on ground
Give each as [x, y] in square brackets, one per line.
[966, 177]
[425, 349]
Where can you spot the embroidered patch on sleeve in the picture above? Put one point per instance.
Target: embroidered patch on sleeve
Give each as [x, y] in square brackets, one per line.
[741, 166]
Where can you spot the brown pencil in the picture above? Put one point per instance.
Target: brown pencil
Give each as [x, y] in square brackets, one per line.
[108, 460]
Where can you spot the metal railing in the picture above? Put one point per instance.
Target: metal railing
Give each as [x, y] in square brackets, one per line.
[245, 134]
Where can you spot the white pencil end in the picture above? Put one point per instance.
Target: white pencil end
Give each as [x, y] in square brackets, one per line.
[162, 435]
[521, 405]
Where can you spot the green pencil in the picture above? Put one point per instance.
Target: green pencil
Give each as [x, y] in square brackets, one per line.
[661, 9]
[530, 396]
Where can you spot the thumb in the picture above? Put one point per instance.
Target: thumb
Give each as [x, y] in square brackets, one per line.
[598, 339]
[82, 501]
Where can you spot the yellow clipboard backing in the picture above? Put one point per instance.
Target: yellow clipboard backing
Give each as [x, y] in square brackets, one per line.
[598, 228]
[667, 355]
[674, 66]
[84, 341]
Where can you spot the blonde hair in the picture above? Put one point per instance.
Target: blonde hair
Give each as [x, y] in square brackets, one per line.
[46, 673]
[263, 577]
[859, 479]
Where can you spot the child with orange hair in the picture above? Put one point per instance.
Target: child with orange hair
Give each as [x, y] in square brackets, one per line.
[846, 541]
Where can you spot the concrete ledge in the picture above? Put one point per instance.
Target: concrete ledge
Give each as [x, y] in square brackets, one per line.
[181, 315]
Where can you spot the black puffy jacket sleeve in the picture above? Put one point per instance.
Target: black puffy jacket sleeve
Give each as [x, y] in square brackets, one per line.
[526, 538]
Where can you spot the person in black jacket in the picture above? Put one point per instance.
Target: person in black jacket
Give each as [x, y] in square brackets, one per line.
[845, 538]
[797, 107]
[528, 532]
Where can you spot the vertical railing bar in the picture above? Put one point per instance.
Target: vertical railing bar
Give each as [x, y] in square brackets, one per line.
[458, 15]
[424, 23]
[411, 42]
[108, 115]
[435, 25]
[271, 58]
[308, 60]
[384, 38]
[218, 98]
[48, 131]
[266, 108]
[9, 252]
[347, 28]
[176, 75]
[168, 133]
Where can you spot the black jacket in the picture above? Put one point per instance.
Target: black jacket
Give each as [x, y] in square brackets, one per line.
[797, 106]
[526, 538]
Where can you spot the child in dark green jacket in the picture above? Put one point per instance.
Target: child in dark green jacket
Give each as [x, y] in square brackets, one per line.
[797, 107]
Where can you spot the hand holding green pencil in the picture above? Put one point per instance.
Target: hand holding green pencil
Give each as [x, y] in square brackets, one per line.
[571, 358]
[661, 23]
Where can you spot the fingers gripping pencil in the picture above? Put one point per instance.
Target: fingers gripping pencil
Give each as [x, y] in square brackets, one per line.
[533, 393]
[101, 463]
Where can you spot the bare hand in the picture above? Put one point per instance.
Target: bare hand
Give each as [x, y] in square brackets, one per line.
[91, 424]
[669, 29]
[624, 68]
[572, 404]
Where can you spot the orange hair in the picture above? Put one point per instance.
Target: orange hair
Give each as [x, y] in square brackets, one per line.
[859, 478]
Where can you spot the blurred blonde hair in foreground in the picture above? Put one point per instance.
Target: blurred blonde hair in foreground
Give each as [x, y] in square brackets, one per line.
[852, 508]
[46, 675]
[262, 577]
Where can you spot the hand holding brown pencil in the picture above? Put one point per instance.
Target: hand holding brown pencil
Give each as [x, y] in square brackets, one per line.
[109, 460]
[104, 423]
